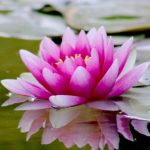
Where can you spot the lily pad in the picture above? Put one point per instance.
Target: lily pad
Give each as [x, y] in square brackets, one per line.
[7, 5]
[143, 50]
[136, 103]
[117, 16]
[120, 39]
[30, 25]
[61, 5]
[12, 5]
[48, 9]
[145, 80]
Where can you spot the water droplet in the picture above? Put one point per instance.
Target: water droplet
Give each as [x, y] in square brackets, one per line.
[9, 94]
[32, 99]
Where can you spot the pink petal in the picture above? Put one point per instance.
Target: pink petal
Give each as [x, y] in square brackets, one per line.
[34, 90]
[81, 82]
[102, 142]
[79, 61]
[67, 67]
[92, 36]
[56, 82]
[94, 142]
[69, 37]
[50, 52]
[101, 42]
[123, 52]
[15, 87]
[129, 64]
[93, 64]
[35, 65]
[106, 84]
[128, 80]
[30, 78]
[98, 41]
[82, 45]
[66, 100]
[50, 135]
[123, 127]
[107, 123]
[141, 126]
[103, 34]
[110, 146]
[68, 43]
[66, 49]
[15, 99]
[62, 117]
[80, 135]
[36, 125]
[28, 118]
[36, 105]
[108, 54]
[103, 105]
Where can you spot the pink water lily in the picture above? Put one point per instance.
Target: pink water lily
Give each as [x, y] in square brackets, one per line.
[73, 90]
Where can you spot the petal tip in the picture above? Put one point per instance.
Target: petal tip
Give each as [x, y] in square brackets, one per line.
[3, 82]
[68, 30]
[130, 40]
[3, 104]
[6, 82]
[22, 52]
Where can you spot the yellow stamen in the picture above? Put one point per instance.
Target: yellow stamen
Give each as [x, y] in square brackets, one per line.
[86, 59]
[60, 61]
[77, 55]
[72, 58]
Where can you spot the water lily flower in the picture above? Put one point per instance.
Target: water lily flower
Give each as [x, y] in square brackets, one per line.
[81, 92]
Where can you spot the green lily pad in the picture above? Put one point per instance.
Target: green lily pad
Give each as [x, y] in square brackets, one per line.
[30, 25]
[117, 16]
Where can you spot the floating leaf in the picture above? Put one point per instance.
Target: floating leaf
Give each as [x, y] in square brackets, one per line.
[143, 49]
[13, 5]
[30, 25]
[120, 39]
[116, 16]
[48, 9]
[136, 103]
[144, 80]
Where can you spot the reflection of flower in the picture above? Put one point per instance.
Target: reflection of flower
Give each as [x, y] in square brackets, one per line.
[79, 92]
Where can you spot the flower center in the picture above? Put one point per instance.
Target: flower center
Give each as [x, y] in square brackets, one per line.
[74, 58]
